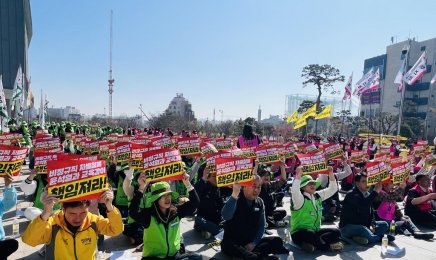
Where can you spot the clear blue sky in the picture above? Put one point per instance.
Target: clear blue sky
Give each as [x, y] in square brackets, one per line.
[228, 55]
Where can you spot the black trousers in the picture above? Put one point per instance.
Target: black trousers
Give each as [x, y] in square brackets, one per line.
[7, 248]
[187, 256]
[321, 239]
[422, 216]
[266, 246]
[276, 215]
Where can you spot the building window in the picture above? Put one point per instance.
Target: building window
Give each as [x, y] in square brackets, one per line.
[422, 48]
[403, 56]
[428, 68]
[367, 113]
[362, 113]
[174, 107]
[377, 111]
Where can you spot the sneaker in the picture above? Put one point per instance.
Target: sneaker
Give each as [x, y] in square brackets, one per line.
[41, 251]
[329, 218]
[206, 235]
[336, 247]
[281, 223]
[391, 238]
[309, 248]
[361, 240]
[422, 235]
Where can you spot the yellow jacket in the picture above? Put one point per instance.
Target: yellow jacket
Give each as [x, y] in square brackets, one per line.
[65, 245]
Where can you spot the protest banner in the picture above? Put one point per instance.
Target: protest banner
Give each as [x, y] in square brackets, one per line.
[189, 146]
[422, 142]
[431, 158]
[376, 172]
[141, 140]
[211, 159]
[313, 163]
[286, 150]
[418, 149]
[11, 159]
[73, 180]
[300, 145]
[207, 148]
[103, 149]
[41, 131]
[395, 159]
[112, 138]
[400, 172]
[42, 143]
[66, 156]
[92, 136]
[137, 151]
[123, 152]
[91, 147]
[267, 155]
[212, 141]
[249, 151]
[41, 158]
[410, 157]
[332, 151]
[384, 150]
[223, 144]
[310, 148]
[112, 153]
[357, 156]
[10, 138]
[162, 165]
[380, 158]
[163, 141]
[229, 170]
[124, 138]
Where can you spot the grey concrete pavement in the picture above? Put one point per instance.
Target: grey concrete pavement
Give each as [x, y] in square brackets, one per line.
[414, 249]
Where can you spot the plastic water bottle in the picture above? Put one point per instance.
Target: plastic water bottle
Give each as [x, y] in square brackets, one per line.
[182, 245]
[290, 256]
[100, 255]
[385, 244]
[15, 228]
[287, 237]
[392, 228]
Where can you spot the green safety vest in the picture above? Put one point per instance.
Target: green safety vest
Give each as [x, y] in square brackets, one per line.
[141, 205]
[307, 217]
[181, 188]
[37, 202]
[159, 241]
[121, 198]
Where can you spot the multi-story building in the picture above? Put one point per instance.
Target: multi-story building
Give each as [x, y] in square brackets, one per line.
[66, 112]
[15, 35]
[181, 106]
[273, 120]
[293, 102]
[387, 98]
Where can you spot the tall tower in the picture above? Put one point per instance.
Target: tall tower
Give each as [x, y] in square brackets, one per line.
[111, 80]
[259, 114]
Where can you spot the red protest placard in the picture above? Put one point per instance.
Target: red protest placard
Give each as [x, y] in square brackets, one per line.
[209, 140]
[123, 151]
[163, 165]
[267, 155]
[42, 131]
[249, 151]
[418, 149]
[141, 140]
[124, 138]
[73, 180]
[286, 150]
[41, 158]
[400, 172]
[431, 158]
[103, 149]
[211, 159]
[300, 145]
[11, 159]
[357, 156]
[313, 163]
[189, 146]
[207, 148]
[66, 156]
[112, 138]
[384, 150]
[163, 142]
[422, 142]
[229, 170]
[91, 147]
[223, 144]
[332, 151]
[47, 143]
[137, 151]
[395, 159]
[380, 158]
[376, 171]
[311, 148]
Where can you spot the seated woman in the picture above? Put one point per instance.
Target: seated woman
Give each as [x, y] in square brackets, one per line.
[274, 217]
[161, 219]
[306, 211]
[388, 210]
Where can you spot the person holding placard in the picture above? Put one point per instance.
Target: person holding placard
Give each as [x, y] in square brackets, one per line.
[248, 138]
[388, 210]
[418, 202]
[306, 214]
[72, 232]
[8, 246]
[244, 214]
[357, 215]
[161, 219]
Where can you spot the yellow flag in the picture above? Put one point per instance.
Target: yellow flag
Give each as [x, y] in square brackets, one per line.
[300, 122]
[326, 112]
[310, 112]
[293, 117]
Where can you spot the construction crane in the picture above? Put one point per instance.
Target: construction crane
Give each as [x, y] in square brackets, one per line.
[111, 80]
